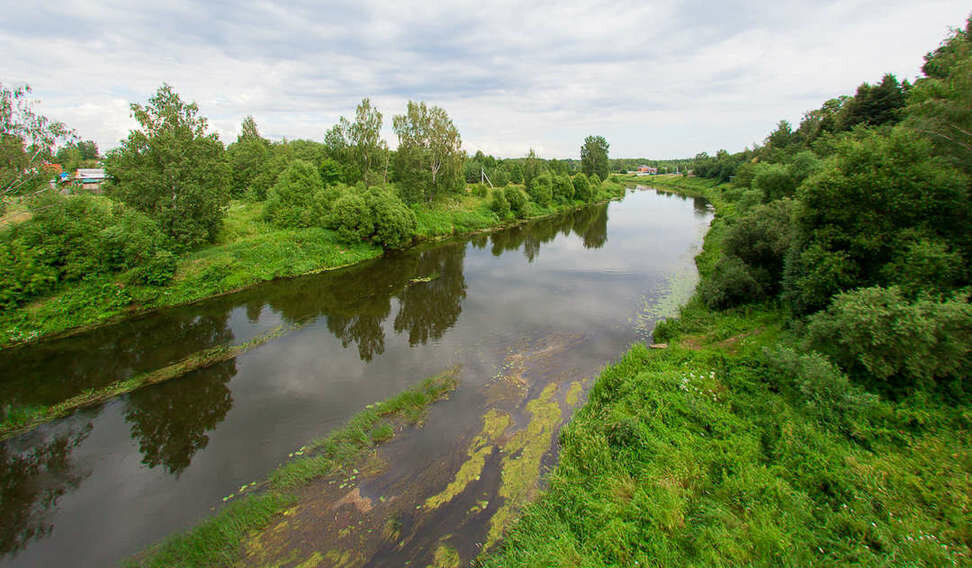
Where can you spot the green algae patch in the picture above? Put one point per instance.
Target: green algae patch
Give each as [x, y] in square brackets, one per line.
[244, 531]
[495, 423]
[520, 469]
[313, 561]
[445, 557]
[199, 360]
[574, 392]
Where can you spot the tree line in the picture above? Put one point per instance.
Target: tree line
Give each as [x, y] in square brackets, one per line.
[171, 180]
[857, 223]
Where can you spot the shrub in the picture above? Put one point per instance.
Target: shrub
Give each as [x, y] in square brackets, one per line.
[290, 200]
[582, 188]
[394, 223]
[499, 204]
[352, 218]
[773, 181]
[730, 284]
[540, 190]
[761, 239]
[157, 270]
[480, 190]
[517, 201]
[70, 238]
[875, 332]
[563, 189]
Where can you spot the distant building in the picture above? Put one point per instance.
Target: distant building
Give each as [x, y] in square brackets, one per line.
[89, 178]
[647, 171]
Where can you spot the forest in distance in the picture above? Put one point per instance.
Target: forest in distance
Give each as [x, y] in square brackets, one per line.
[809, 406]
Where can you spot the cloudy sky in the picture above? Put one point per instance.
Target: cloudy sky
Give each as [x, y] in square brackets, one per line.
[658, 79]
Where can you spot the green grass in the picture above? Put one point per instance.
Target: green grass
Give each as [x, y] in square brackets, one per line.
[217, 540]
[730, 449]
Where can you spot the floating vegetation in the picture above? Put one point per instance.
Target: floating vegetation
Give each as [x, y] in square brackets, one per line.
[520, 470]
[495, 423]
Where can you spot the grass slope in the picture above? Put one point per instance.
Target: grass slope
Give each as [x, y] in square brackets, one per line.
[730, 449]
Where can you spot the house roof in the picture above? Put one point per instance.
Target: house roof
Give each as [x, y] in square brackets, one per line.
[90, 174]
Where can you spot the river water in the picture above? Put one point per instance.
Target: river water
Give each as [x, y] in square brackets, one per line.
[108, 481]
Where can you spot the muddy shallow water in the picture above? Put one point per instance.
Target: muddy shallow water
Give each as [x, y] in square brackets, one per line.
[529, 315]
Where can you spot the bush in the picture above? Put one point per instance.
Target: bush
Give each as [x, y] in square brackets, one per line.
[582, 188]
[352, 218]
[563, 189]
[517, 201]
[876, 333]
[290, 200]
[499, 204]
[761, 239]
[394, 223]
[540, 190]
[70, 238]
[730, 284]
[773, 181]
[156, 271]
[480, 190]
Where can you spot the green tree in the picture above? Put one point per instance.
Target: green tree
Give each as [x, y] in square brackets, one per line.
[582, 188]
[246, 157]
[429, 159]
[367, 147]
[531, 168]
[872, 199]
[172, 169]
[940, 105]
[290, 202]
[594, 156]
[27, 141]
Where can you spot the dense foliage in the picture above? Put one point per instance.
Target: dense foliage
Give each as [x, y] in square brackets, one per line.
[172, 169]
[76, 238]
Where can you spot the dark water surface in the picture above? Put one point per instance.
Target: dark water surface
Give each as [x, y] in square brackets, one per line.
[104, 483]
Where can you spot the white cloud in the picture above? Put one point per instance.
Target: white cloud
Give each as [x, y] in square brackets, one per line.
[659, 79]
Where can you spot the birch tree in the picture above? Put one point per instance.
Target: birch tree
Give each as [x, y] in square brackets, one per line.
[430, 158]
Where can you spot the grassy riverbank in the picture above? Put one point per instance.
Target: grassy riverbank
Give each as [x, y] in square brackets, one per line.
[735, 447]
[249, 251]
[218, 540]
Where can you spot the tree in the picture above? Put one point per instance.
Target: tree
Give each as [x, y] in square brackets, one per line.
[940, 105]
[430, 157]
[27, 142]
[531, 168]
[172, 169]
[290, 202]
[594, 156]
[367, 147]
[246, 156]
[74, 155]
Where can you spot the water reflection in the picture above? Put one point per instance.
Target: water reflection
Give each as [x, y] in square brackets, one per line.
[170, 422]
[590, 224]
[31, 482]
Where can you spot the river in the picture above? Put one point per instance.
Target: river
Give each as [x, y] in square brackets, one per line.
[556, 298]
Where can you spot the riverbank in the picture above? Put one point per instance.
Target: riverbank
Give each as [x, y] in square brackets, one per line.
[733, 447]
[249, 251]
[217, 541]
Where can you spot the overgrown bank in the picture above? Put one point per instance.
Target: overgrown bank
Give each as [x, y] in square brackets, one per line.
[738, 446]
[249, 250]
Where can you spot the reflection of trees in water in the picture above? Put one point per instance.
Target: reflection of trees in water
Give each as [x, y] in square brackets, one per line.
[700, 207]
[96, 359]
[170, 420]
[428, 309]
[590, 224]
[31, 482]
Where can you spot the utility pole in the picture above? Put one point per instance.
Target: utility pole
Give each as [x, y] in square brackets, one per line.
[483, 178]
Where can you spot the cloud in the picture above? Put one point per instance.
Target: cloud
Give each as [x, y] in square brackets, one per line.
[660, 79]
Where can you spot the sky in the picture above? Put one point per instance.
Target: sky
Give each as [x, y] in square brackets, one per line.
[657, 79]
